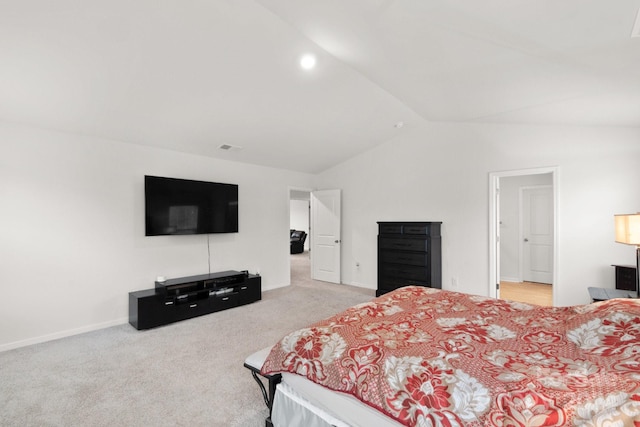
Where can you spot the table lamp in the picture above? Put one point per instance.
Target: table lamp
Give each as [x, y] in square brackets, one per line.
[628, 232]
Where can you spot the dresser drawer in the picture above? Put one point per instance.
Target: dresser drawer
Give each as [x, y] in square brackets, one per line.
[189, 309]
[405, 272]
[224, 301]
[390, 229]
[401, 257]
[416, 229]
[404, 244]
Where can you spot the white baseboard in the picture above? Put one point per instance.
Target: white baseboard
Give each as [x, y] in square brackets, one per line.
[360, 285]
[511, 279]
[61, 334]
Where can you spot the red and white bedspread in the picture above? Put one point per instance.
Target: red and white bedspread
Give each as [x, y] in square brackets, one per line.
[431, 357]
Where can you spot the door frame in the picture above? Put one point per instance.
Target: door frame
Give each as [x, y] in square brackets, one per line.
[289, 190]
[494, 227]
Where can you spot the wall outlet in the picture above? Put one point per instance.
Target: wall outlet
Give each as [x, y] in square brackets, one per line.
[357, 264]
[454, 283]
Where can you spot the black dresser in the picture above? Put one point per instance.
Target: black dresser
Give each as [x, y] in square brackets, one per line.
[409, 253]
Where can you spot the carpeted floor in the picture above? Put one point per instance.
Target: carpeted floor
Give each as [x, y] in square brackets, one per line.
[188, 373]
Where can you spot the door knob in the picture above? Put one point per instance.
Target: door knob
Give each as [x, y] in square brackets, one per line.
[526, 240]
[337, 241]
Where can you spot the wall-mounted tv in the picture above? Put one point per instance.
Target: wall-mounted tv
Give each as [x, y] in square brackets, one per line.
[183, 206]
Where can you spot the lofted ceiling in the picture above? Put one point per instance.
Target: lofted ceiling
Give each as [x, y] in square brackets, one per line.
[196, 74]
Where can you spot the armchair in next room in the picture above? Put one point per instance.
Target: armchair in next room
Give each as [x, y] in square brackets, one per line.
[297, 241]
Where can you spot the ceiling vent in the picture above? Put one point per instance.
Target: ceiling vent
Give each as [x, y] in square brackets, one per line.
[229, 147]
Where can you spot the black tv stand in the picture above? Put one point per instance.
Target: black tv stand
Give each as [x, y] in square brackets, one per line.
[186, 297]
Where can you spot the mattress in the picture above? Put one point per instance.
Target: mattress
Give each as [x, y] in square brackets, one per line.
[300, 402]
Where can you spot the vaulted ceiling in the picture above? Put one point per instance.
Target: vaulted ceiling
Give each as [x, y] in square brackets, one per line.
[195, 74]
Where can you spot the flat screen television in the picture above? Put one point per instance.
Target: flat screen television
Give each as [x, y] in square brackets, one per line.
[183, 206]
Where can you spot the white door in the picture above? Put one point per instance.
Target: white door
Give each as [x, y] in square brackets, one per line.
[537, 234]
[325, 235]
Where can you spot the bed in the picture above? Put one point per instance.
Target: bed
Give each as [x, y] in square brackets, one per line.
[426, 357]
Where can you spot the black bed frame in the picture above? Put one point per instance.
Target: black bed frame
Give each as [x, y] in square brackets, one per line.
[267, 395]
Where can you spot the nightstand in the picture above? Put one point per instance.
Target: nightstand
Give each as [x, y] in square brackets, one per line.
[625, 277]
[603, 294]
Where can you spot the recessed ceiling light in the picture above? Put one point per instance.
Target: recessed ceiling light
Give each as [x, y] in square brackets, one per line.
[308, 61]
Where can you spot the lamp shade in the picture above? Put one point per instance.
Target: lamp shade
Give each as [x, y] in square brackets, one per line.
[628, 229]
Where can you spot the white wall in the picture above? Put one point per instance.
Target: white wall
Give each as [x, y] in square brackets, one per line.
[440, 172]
[299, 218]
[510, 221]
[73, 244]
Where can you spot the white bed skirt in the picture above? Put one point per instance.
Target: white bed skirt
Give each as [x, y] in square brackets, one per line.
[300, 402]
[289, 409]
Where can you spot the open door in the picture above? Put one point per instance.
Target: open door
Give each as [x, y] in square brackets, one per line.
[325, 235]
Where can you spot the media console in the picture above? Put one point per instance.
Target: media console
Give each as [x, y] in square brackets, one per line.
[187, 297]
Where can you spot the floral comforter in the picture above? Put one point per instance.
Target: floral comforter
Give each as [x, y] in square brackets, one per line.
[429, 357]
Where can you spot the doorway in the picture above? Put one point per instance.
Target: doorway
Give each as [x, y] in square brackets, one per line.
[299, 220]
[523, 240]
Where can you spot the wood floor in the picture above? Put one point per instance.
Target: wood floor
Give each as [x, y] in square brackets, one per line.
[529, 292]
[533, 293]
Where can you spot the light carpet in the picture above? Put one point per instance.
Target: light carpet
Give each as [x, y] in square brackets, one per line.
[188, 373]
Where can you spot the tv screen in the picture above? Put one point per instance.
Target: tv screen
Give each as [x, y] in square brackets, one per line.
[182, 206]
